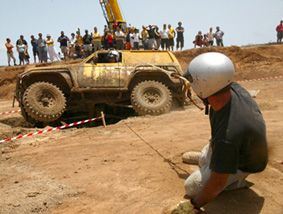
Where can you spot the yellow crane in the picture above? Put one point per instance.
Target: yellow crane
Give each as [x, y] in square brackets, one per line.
[112, 13]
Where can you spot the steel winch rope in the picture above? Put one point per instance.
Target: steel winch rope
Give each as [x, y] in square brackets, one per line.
[170, 162]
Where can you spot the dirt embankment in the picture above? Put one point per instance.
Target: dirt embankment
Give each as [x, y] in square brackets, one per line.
[268, 60]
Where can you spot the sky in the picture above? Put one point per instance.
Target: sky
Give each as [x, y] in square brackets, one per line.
[244, 22]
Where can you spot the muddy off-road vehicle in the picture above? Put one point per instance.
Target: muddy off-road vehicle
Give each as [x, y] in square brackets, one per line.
[138, 79]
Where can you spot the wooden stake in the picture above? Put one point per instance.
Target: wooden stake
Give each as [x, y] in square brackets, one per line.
[103, 119]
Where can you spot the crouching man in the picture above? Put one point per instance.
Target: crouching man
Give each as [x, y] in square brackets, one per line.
[238, 145]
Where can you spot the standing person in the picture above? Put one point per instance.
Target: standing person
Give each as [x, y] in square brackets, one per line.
[136, 39]
[87, 39]
[131, 36]
[22, 50]
[128, 39]
[144, 37]
[210, 37]
[34, 45]
[51, 50]
[151, 37]
[10, 54]
[108, 40]
[171, 37]
[180, 36]
[106, 29]
[279, 30]
[71, 46]
[157, 37]
[63, 40]
[164, 38]
[96, 40]
[219, 37]
[238, 145]
[205, 41]
[120, 39]
[42, 49]
[22, 42]
[79, 44]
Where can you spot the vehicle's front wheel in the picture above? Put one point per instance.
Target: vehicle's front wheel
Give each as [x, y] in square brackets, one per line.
[44, 102]
[151, 98]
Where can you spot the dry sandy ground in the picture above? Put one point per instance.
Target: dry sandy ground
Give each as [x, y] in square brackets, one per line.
[131, 167]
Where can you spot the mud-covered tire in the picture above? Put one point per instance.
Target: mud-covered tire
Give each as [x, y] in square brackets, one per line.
[44, 102]
[151, 98]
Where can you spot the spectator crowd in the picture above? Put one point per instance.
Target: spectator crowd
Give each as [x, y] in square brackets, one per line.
[207, 40]
[80, 46]
[121, 38]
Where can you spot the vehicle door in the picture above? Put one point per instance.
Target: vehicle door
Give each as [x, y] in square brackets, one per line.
[97, 73]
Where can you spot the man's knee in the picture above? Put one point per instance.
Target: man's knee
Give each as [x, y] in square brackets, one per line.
[193, 184]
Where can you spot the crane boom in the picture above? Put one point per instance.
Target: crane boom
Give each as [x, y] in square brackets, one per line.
[112, 13]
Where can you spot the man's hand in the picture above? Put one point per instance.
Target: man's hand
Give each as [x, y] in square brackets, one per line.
[215, 185]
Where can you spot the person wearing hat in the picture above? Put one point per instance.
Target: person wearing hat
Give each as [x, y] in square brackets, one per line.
[180, 36]
[50, 49]
[238, 145]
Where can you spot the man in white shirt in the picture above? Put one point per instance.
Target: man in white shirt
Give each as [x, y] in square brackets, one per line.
[120, 39]
[164, 38]
[219, 37]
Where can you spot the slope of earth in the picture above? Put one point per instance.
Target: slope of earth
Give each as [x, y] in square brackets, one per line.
[251, 61]
[267, 58]
[135, 166]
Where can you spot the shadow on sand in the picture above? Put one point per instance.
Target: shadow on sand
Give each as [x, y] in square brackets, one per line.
[236, 202]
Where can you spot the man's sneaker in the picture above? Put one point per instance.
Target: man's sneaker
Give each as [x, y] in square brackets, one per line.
[191, 158]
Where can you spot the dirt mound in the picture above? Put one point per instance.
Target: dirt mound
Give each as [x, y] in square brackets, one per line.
[8, 77]
[251, 62]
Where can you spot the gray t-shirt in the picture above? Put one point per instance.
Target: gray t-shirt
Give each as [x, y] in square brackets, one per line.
[238, 135]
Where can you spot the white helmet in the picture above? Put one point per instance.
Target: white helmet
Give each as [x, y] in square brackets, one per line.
[209, 73]
[114, 54]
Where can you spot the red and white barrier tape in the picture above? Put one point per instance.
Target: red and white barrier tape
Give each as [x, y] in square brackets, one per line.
[50, 130]
[262, 79]
[10, 112]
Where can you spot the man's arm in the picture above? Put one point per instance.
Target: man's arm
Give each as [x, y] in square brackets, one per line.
[215, 184]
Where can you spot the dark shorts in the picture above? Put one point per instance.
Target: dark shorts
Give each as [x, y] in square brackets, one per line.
[219, 42]
[279, 35]
[120, 44]
[164, 43]
[171, 42]
[35, 52]
[180, 42]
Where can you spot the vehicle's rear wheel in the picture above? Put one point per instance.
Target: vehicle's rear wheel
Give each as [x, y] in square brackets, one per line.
[151, 98]
[44, 102]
